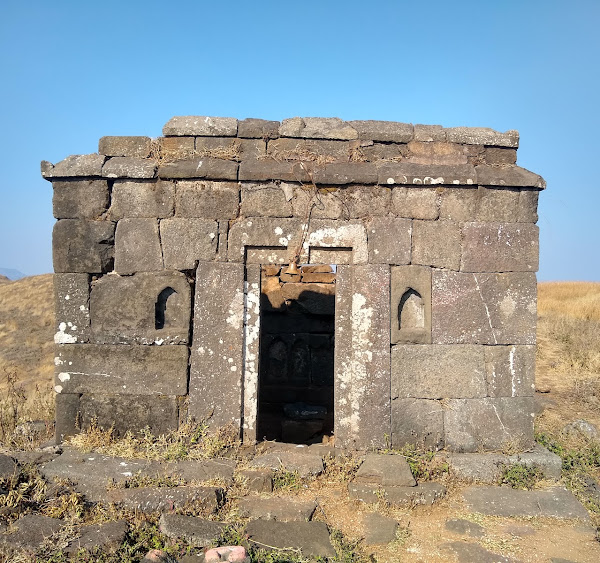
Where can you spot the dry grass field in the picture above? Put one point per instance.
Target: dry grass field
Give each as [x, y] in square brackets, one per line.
[568, 382]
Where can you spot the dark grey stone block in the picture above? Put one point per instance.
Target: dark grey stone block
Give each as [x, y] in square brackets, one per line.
[80, 199]
[71, 308]
[138, 147]
[186, 241]
[379, 529]
[482, 136]
[260, 200]
[106, 537]
[208, 200]
[407, 173]
[419, 422]
[365, 201]
[77, 165]
[201, 126]
[513, 176]
[266, 170]
[465, 527]
[31, 530]
[304, 463]
[436, 243]
[416, 203]
[83, 246]
[345, 173]
[510, 371]
[203, 168]
[258, 129]
[137, 246]
[67, 416]
[317, 128]
[385, 470]
[142, 199]
[388, 131]
[150, 499]
[129, 167]
[195, 531]
[282, 509]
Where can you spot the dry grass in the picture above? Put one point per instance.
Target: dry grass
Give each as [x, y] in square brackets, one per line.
[578, 300]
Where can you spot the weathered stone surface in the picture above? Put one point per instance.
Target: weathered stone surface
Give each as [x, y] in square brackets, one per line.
[465, 527]
[419, 422]
[316, 298]
[71, 308]
[75, 165]
[137, 246]
[201, 126]
[209, 200]
[478, 467]
[436, 153]
[317, 128]
[408, 173]
[362, 365]
[497, 204]
[368, 151]
[510, 371]
[185, 241]
[138, 147]
[260, 200]
[262, 232]
[504, 501]
[176, 148]
[366, 201]
[149, 499]
[471, 552]
[258, 129]
[379, 529]
[201, 470]
[411, 304]
[202, 168]
[483, 308]
[325, 204]
[309, 151]
[158, 413]
[145, 308]
[142, 199]
[498, 155]
[508, 175]
[538, 456]
[257, 480]
[336, 234]
[490, 423]
[283, 509]
[388, 131]
[527, 209]
[424, 494]
[582, 428]
[31, 531]
[226, 148]
[341, 173]
[195, 531]
[416, 203]
[105, 537]
[432, 371]
[429, 133]
[129, 167]
[67, 416]
[8, 467]
[138, 370]
[83, 246]
[385, 470]
[267, 169]
[500, 247]
[482, 136]
[311, 538]
[306, 464]
[436, 243]
[80, 199]
[217, 349]
[459, 204]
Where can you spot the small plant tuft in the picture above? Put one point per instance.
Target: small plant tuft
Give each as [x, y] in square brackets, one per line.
[521, 476]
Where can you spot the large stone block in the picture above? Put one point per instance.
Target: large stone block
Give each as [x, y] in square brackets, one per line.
[130, 413]
[459, 204]
[201, 126]
[500, 155]
[308, 150]
[263, 232]
[497, 204]
[436, 243]
[145, 308]
[218, 348]
[137, 246]
[185, 241]
[128, 167]
[337, 234]
[80, 199]
[419, 422]
[436, 153]
[489, 424]
[267, 169]
[500, 247]
[508, 175]
[429, 133]
[362, 356]
[142, 199]
[75, 165]
[208, 200]
[83, 246]
[482, 136]
[340, 173]
[389, 240]
[138, 147]
[203, 168]
[528, 203]
[258, 129]
[317, 128]
[265, 200]
[436, 372]
[411, 304]
[408, 173]
[176, 148]
[483, 308]
[416, 203]
[388, 131]
[510, 371]
[324, 204]
[366, 201]
[67, 416]
[72, 308]
[120, 369]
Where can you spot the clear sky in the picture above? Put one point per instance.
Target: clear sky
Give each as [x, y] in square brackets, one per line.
[75, 71]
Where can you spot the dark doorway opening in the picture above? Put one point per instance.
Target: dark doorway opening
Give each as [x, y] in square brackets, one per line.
[297, 326]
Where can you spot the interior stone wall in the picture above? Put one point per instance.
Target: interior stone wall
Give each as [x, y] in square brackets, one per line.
[158, 248]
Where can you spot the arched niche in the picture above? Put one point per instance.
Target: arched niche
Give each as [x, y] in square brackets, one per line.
[411, 311]
[161, 316]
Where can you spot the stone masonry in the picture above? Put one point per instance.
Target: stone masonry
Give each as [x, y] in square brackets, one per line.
[160, 243]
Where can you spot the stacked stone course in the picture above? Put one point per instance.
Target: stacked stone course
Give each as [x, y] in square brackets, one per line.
[432, 230]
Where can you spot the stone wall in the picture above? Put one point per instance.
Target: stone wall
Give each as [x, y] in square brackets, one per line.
[157, 251]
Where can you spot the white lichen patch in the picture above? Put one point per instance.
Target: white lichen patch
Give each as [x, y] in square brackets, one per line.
[58, 388]
[278, 231]
[508, 306]
[251, 335]
[58, 361]
[345, 236]
[62, 337]
[235, 311]
[64, 376]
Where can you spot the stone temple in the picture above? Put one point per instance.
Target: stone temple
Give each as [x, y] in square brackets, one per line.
[363, 282]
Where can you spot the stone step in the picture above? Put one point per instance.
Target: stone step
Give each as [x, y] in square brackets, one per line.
[382, 469]
[282, 509]
[424, 494]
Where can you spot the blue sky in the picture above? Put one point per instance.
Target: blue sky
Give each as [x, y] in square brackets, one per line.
[73, 72]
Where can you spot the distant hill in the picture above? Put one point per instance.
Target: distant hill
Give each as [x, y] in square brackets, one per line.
[11, 273]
